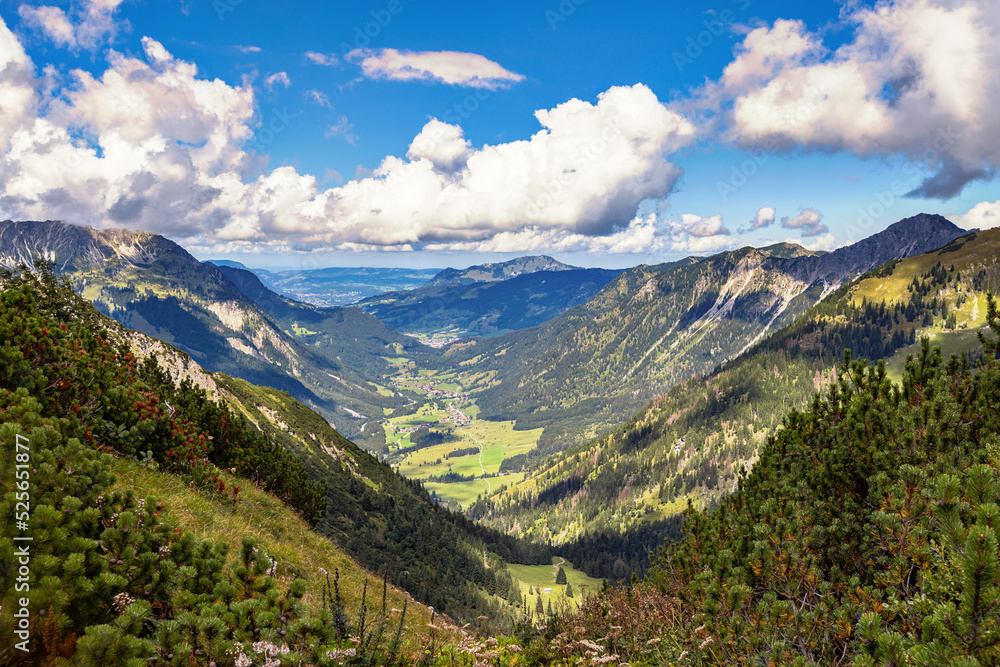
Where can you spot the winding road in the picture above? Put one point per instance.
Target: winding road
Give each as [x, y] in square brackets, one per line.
[489, 489]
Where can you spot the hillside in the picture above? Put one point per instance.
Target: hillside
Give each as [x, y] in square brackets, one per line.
[154, 286]
[497, 271]
[150, 537]
[653, 326]
[346, 335]
[865, 535]
[118, 402]
[461, 308]
[694, 441]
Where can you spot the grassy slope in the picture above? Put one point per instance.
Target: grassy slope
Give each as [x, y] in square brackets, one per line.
[541, 577]
[360, 524]
[299, 550]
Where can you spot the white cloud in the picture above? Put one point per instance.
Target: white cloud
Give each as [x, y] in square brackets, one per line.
[822, 242]
[644, 235]
[342, 128]
[451, 67]
[277, 78]
[16, 87]
[319, 98]
[808, 221]
[249, 49]
[148, 144]
[984, 215]
[50, 20]
[444, 145]
[699, 226]
[90, 24]
[325, 59]
[916, 78]
[763, 218]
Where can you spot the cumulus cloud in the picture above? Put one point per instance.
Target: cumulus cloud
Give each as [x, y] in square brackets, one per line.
[984, 215]
[50, 20]
[701, 227]
[17, 87]
[763, 218]
[88, 25]
[825, 242]
[451, 67]
[916, 78]
[325, 59]
[148, 144]
[276, 79]
[444, 145]
[808, 222]
[642, 236]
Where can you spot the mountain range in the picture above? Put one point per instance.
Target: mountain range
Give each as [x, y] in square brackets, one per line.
[655, 397]
[497, 271]
[509, 301]
[153, 285]
[697, 440]
[653, 326]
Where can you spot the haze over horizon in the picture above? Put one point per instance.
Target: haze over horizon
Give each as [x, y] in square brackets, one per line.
[391, 134]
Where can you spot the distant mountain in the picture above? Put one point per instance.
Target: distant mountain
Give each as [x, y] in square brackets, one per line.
[341, 286]
[789, 250]
[653, 326]
[623, 492]
[510, 304]
[346, 335]
[227, 262]
[151, 284]
[498, 271]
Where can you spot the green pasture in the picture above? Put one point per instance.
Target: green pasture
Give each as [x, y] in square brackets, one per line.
[465, 493]
[541, 577]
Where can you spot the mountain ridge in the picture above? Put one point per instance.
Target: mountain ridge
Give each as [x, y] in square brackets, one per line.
[654, 326]
[154, 285]
[487, 307]
[491, 271]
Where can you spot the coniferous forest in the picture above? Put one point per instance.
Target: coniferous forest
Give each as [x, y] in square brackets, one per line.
[864, 534]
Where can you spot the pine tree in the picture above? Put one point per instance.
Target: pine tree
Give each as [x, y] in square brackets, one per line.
[561, 576]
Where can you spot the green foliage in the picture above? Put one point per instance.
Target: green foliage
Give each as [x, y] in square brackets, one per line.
[867, 531]
[57, 349]
[390, 524]
[114, 583]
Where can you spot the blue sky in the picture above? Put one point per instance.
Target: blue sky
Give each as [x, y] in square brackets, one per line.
[287, 135]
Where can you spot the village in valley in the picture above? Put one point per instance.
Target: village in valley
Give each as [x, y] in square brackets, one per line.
[439, 440]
